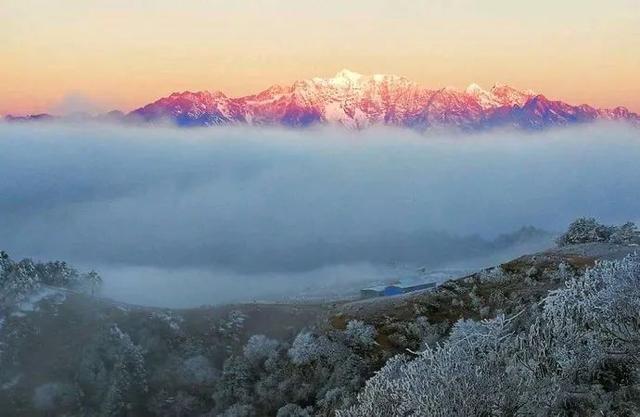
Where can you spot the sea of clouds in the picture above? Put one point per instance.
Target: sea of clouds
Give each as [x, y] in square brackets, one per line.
[197, 216]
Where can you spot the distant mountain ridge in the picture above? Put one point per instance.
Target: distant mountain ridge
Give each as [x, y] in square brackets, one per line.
[358, 101]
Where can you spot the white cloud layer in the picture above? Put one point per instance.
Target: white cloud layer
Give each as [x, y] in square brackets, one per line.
[275, 206]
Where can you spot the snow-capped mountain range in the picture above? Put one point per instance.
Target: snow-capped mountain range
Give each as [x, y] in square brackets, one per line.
[358, 101]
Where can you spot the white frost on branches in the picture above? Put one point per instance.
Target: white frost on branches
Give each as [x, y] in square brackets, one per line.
[493, 368]
[587, 229]
[359, 334]
[259, 348]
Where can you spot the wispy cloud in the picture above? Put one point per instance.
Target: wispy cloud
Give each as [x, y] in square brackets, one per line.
[77, 102]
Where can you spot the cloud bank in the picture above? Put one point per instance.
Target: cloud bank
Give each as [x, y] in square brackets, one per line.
[266, 207]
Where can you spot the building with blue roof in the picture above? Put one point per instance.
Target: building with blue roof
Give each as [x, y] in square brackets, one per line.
[402, 286]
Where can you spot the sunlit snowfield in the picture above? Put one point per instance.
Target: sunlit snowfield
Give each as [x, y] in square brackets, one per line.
[198, 216]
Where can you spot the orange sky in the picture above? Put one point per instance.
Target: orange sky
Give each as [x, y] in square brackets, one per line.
[57, 55]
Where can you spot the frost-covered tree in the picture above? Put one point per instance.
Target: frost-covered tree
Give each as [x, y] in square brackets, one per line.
[305, 349]
[360, 335]
[58, 274]
[230, 327]
[259, 348]
[128, 377]
[112, 373]
[93, 281]
[235, 384]
[197, 370]
[308, 347]
[473, 373]
[601, 308]
[232, 323]
[585, 230]
[593, 332]
[18, 280]
[495, 274]
[5, 261]
[318, 368]
[625, 234]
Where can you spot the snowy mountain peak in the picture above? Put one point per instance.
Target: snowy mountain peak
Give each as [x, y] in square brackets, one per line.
[509, 96]
[474, 88]
[486, 99]
[349, 75]
[356, 101]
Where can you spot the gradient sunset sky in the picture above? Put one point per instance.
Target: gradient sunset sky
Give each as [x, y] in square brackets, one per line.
[60, 55]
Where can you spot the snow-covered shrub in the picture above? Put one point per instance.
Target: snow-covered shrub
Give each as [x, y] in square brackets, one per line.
[268, 377]
[474, 298]
[17, 280]
[5, 261]
[58, 274]
[20, 279]
[128, 376]
[415, 334]
[235, 384]
[90, 282]
[563, 274]
[600, 307]
[495, 274]
[259, 348]
[197, 370]
[308, 347]
[235, 320]
[230, 327]
[625, 234]
[112, 372]
[425, 332]
[593, 330]
[279, 384]
[361, 335]
[460, 378]
[585, 230]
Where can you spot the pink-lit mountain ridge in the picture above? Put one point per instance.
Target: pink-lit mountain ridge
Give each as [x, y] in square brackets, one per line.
[359, 101]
